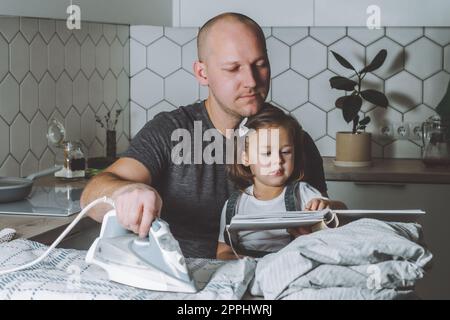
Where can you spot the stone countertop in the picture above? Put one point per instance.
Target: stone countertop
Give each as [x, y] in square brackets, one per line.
[388, 170]
[42, 228]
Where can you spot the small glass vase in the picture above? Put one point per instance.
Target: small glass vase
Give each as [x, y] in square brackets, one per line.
[111, 144]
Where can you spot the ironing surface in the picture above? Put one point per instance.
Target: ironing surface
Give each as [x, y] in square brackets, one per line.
[153, 263]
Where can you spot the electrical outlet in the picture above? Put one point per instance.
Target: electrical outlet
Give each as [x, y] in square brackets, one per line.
[401, 131]
[415, 129]
[387, 131]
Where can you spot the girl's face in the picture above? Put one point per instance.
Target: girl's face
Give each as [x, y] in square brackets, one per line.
[271, 162]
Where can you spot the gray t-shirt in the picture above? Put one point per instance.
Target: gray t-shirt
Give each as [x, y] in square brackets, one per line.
[193, 194]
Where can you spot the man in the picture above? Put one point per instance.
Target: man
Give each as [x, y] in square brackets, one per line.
[233, 63]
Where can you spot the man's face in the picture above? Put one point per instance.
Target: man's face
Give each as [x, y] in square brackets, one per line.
[238, 70]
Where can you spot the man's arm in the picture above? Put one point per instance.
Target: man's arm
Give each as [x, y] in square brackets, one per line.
[127, 182]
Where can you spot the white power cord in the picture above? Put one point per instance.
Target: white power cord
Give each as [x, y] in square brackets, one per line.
[63, 234]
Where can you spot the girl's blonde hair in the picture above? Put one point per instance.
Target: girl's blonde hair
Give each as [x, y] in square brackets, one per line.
[269, 116]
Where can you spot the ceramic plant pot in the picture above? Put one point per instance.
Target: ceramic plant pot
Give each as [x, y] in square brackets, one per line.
[353, 150]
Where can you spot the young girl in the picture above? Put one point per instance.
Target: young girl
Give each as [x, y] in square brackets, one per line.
[263, 182]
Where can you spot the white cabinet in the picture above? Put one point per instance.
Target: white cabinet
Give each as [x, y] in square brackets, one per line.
[150, 12]
[433, 198]
[186, 13]
[394, 13]
[280, 13]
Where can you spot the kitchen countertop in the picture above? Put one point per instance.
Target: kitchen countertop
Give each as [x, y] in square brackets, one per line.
[41, 228]
[388, 170]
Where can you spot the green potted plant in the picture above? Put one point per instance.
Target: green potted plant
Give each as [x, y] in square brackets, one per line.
[353, 148]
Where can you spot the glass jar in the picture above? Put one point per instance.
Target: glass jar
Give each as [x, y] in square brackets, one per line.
[74, 160]
[436, 142]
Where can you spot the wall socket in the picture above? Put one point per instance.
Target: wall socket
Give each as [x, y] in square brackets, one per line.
[402, 131]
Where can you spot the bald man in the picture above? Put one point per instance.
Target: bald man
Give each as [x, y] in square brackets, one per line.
[146, 182]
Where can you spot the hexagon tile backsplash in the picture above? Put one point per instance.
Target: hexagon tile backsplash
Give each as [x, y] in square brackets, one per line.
[48, 71]
[414, 77]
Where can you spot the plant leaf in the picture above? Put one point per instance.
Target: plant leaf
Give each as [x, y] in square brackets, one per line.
[343, 61]
[340, 102]
[342, 83]
[364, 121]
[375, 97]
[376, 62]
[351, 107]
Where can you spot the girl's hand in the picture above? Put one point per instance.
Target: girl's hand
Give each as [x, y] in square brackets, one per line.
[317, 204]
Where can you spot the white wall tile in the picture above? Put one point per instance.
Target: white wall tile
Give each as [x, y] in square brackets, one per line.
[326, 146]
[29, 97]
[110, 32]
[423, 58]
[352, 51]
[404, 91]
[146, 34]
[404, 149]
[38, 139]
[312, 119]
[47, 29]
[29, 28]
[19, 138]
[181, 88]
[19, 58]
[138, 118]
[73, 125]
[4, 140]
[9, 26]
[4, 57]
[327, 35]
[309, 57]
[278, 56]
[62, 31]
[95, 91]
[394, 60]
[80, 92]
[163, 57]
[290, 90]
[447, 58]
[146, 89]
[72, 57]
[434, 88]
[181, 35]
[88, 126]
[102, 57]
[9, 98]
[440, 34]
[123, 89]
[404, 36]
[64, 93]
[321, 93]
[189, 56]
[138, 57]
[47, 160]
[55, 57]
[163, 106]
[380, 117]
[109, 90]
[290, 35]
[29, 165]
[419, 114]
[365, 36]
[87, 57]
[47, 95]
[10, 167]
[116, 57]
[95, 32]
[38, 57]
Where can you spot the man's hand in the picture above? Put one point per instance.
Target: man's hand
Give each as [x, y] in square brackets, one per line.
[137, 205]
[312, 205]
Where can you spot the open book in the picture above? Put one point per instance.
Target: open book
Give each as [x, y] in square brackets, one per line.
[290, 219]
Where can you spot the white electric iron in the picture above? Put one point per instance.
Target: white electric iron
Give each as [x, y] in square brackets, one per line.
[153, 263]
